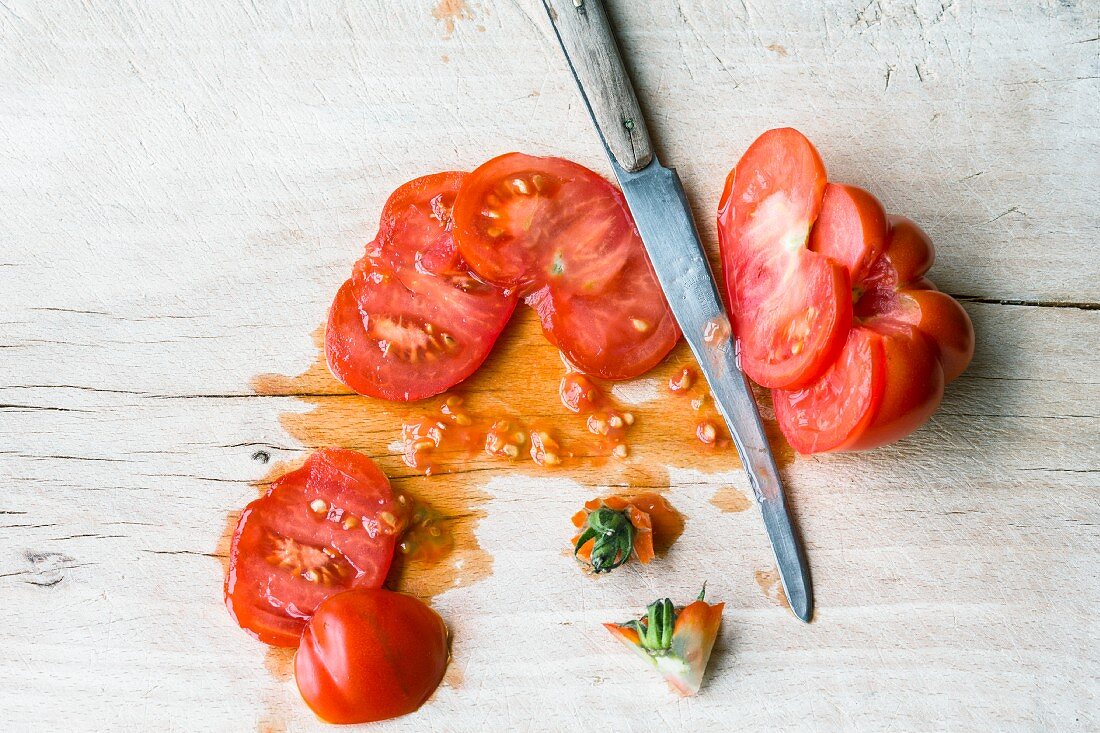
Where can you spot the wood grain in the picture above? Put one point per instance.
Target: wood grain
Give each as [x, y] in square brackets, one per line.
[185, 185]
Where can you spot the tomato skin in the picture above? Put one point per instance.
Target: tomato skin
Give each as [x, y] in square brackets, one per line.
[412, 321]
[943, 320]
[563, 237]
[790, 306]
[318, 530]
[370, 655]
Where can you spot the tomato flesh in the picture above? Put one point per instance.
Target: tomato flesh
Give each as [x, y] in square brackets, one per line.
[851, 229]
[622, 344]
[791, 307]
[412, 321]
[563, 237]
[318, 530]
[370, 655]
[840, 404]
[525, 222]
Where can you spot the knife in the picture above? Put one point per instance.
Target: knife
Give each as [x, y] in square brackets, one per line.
[660, 208]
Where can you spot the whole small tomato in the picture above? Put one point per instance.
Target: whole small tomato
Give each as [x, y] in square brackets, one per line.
[369, 655]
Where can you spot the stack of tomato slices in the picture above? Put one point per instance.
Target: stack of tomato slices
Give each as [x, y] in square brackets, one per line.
[439, 282]
[413, 321]
[563, 237]
[830, 304]
[306, 566]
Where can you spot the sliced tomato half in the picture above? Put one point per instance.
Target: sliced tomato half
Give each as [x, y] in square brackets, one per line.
[321, 529]
[791, 306]
[851, 229]
[908, 341]
[563, 236]
[413, 321]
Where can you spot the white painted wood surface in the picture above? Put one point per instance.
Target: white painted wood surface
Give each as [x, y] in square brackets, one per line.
[183, 186]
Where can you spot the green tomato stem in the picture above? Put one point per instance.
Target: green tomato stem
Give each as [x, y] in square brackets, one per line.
[613, 536]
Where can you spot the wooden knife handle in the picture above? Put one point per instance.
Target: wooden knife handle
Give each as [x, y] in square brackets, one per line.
[589, 45]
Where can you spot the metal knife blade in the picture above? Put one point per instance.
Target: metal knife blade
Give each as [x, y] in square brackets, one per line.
[656, 199]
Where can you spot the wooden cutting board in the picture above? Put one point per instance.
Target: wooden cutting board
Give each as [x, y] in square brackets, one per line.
[185, 187]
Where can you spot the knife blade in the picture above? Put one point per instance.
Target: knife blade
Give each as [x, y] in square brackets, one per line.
[661, 212]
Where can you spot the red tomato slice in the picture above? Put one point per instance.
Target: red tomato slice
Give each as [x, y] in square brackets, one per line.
[791, 307]
[564, 237]
[370, 655]
[412, 321]
[841, 403]
[525, 222]
[317, 531]
[616, 337]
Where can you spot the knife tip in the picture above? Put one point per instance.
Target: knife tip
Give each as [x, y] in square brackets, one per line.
[803, 608]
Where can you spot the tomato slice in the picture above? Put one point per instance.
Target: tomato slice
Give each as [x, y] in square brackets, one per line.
[413, 321]
[525, 222]
[321, 529]
[563, 236]
[617, 336]
[841, 403]
[370, 655]
[791, 307]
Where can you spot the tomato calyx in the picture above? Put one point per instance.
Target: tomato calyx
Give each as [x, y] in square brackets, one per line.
[613, 530]
[654, 629]
[612, 538]
[677, 641]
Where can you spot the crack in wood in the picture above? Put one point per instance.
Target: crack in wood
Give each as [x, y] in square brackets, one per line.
[1078, 305]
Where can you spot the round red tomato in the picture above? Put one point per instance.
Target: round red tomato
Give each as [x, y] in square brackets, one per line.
[791, 308]
[370, 655]
[563, 236]
[412, 321]
[321, 529]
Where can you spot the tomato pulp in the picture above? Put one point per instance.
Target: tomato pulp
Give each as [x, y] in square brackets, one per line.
[370, 655]
[321, 529]
[831, 306]
[563, 237]
[412, 321]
